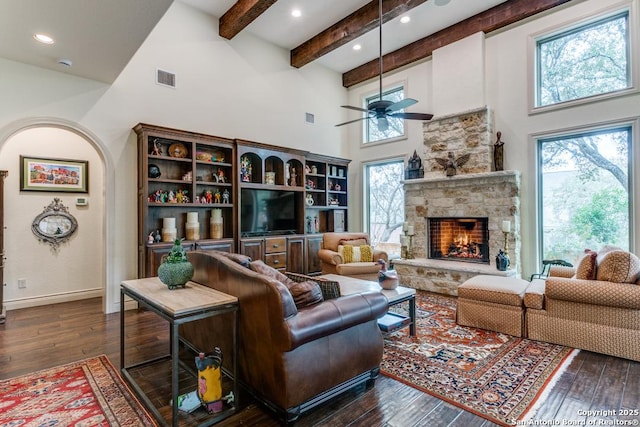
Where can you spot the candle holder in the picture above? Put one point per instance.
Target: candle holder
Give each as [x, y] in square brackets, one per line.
[410, 246]
[505, 253]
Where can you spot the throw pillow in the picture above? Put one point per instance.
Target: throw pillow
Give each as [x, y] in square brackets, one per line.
[604, 251]
[260, 267]
[241, 259]
[587, 266]
[619, 267]
[304, 293]
[349, 253]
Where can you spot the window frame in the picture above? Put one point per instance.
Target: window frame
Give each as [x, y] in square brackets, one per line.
[366, 207]
[633, 176]
[402, 85]
[574, 25]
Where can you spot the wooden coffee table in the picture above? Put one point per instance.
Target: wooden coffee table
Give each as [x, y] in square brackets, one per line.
[350, 285]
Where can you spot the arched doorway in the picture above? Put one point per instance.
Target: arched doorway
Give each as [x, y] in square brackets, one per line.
[78, 269]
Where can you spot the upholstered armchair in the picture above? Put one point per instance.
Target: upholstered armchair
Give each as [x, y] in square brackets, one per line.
[350, 254]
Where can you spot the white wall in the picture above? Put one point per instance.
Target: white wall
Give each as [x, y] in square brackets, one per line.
[76, 269]
[243, 88]
[507, 71]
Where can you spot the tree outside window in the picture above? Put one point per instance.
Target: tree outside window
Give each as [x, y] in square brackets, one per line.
[584, 199]
[384, 202]
[396, 125]
[589, 60]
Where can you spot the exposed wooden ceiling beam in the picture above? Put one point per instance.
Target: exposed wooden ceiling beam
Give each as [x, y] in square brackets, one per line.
[353, 26]
[490, 20]
[240, 15]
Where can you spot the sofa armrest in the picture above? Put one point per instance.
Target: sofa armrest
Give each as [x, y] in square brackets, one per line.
[378, 254]
[334, 315]
[330, 257]
[561, 271]
[598, 292]
[534, 295]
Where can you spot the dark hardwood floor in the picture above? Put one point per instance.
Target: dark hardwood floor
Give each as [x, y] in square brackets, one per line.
[47, 336]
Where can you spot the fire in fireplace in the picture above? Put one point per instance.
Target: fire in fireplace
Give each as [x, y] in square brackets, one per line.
[459, 239]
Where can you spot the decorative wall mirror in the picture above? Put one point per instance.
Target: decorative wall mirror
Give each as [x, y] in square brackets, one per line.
[55, 224]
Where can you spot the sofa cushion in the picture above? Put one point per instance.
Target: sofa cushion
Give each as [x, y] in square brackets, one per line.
[303, 293]
[241, 259]
[604, 251]
[619, 267]
[361, 253]
[353, 242]
[586, 267]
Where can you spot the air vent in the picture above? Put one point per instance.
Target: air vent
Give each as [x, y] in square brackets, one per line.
[310, 118]
[165, 78]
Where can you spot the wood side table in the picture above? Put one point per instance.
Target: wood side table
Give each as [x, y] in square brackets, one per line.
[178, 306]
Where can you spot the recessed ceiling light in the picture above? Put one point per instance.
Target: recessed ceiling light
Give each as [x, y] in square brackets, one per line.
[296, 13]
[357, 47]
[43, 38]
[405, 19]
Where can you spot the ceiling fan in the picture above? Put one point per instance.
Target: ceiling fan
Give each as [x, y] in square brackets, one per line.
[383, 109]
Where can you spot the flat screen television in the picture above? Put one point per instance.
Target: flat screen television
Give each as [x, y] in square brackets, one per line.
[267, 212]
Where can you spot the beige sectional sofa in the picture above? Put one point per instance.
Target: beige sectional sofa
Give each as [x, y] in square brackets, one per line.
[595, 307]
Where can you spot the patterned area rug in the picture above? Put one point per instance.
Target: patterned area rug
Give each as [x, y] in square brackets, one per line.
[85, 393]
[493, 375]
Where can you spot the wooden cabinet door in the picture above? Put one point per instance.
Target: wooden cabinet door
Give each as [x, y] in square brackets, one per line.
[313, 264]
[337, 221]
[253, 248]
[295, 254]
[215, 245]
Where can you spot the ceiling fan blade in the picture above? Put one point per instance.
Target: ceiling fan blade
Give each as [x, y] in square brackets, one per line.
[353, 121]
[412, 116]
[355, 108]
[401, 105]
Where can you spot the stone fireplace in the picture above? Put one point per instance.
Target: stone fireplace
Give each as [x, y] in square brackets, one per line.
[475, 193]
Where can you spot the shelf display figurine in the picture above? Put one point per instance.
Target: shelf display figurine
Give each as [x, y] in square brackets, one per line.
[498, 153]
[226, 196]
[157, 148]
[217, 197]
[292, 177]
[219, 176]
[245, 169]
[208, 196]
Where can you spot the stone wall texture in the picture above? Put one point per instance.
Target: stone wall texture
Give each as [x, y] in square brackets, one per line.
[474, 191]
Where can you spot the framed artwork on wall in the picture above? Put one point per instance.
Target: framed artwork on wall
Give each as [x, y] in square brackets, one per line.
[58, 175]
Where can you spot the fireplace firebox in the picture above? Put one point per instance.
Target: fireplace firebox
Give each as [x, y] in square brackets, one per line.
[459, 239]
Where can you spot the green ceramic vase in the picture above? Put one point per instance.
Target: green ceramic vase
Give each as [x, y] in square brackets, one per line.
[175, 274]
[175, 270]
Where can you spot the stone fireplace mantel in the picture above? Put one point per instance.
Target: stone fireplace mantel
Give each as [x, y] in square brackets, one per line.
[476, 190]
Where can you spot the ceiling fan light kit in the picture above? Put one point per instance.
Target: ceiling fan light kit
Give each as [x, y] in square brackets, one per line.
[382, 110]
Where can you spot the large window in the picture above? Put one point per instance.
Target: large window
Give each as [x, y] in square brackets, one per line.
[396, 126]
[584, 193]
[589, 60]
[384, 204]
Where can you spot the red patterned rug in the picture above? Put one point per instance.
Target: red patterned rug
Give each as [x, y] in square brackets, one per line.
[82, 394]
[496, 376]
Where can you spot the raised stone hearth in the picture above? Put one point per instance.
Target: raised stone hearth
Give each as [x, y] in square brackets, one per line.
[475, 191]
[441, 276]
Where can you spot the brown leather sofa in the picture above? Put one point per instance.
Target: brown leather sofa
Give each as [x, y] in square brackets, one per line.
[288, 358]
[334, 263]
